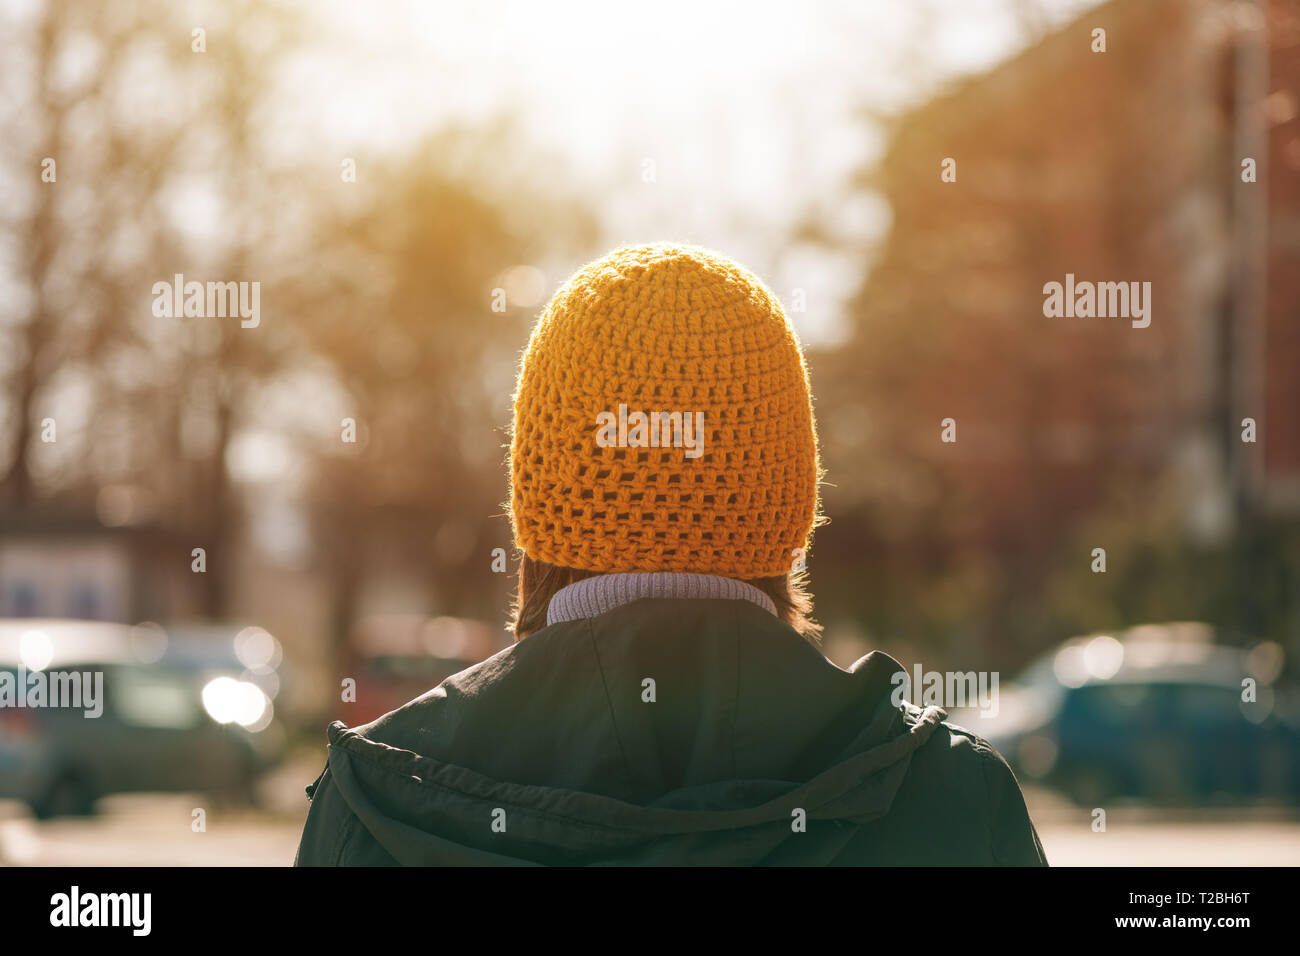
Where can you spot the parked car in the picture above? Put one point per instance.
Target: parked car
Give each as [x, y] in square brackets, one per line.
[1155, 713]
[167, 716]
[395, 658]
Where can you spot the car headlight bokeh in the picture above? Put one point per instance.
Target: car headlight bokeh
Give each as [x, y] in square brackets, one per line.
[230, 701]
[35, 650]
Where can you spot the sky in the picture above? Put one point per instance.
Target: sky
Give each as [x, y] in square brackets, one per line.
[720, 123]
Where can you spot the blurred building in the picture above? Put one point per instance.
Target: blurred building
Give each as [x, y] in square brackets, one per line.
[1117, 166]
[64, 564]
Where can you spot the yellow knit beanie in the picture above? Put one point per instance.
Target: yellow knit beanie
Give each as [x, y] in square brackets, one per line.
[663, 422]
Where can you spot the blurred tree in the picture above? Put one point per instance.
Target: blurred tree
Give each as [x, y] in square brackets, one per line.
[956, 539]
[406, 278]
[85, 180]
[161, 167]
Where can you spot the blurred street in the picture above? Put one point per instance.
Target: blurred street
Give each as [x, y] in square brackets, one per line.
[154, 830]
[1141, 836]
[147, 830]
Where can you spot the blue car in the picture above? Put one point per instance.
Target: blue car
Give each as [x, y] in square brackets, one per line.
[1159, 713]
[108, 708]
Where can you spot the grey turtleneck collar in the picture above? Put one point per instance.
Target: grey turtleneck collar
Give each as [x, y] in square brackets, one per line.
[604, 592]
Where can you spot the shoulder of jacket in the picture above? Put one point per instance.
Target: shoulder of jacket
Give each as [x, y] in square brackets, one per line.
[965, 737]
[967, 756]
[997, 772]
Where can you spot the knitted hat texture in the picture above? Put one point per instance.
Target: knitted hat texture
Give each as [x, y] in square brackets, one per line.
[725, 482]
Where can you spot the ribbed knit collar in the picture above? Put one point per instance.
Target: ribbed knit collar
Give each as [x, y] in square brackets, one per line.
[604, 592]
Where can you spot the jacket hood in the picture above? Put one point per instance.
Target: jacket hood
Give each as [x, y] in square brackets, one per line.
[661, 732]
